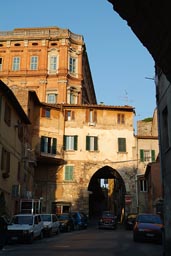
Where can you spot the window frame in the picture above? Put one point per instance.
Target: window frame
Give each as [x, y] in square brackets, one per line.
[51, 97]
[1, 63]
[70, 142]
[91, 143]
[34, 62]
[16, 63]
[122, 145]
[69, 173]
[72, 65]
[48, 145]
[143, 185]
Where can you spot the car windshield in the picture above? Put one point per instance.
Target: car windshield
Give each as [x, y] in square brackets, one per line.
[22, 220]
[46, 217]
[63, 217]
[149, 219]
[107, 215]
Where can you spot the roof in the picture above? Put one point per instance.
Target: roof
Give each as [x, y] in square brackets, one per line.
[14, 102]
[94, 106]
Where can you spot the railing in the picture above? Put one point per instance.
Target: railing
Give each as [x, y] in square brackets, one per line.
[45, 33]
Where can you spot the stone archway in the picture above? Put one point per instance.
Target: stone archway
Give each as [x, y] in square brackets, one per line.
[107, 192]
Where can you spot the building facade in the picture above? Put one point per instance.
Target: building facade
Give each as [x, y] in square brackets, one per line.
[16, 173]
[51, 61]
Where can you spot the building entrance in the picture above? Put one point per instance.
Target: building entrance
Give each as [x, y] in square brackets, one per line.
[107, 192]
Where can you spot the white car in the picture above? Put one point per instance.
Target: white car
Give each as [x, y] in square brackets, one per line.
[25, 227]
[51, 224]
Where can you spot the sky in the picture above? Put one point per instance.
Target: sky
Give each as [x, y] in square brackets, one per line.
[122, 69]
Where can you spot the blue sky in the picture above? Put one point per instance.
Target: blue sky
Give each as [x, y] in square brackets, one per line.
[119, 62]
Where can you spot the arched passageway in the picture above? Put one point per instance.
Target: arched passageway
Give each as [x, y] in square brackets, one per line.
[107, 192]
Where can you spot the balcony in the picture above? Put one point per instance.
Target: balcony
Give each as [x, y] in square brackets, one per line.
[47, 157]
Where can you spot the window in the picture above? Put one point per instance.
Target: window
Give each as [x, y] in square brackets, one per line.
[51, 98]
[147, 155]
[34, 62]
[120, 118]
[69, 115]
[7, 114]
[121, 145]
[70, 142]
[69, 172]
[72, 65]
[53, 64]
[16, 64]
[5, 161]
[91, 116]
[45, 112]
[92, 143]
[72, 95]
[0, 64]
[143, 185]
[48, 145]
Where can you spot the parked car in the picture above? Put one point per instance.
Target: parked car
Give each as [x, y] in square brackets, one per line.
[25, 227]
[66, 222]
[107, 220]
[130, 220]
[51, 224]
[148, 227]
[80, 221]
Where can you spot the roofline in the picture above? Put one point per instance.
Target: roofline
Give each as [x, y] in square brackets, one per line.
[94, 106]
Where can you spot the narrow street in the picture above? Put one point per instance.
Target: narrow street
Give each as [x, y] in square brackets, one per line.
[89, 242]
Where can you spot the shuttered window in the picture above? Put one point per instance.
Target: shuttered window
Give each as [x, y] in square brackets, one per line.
[91, 143]
[121, 145]
[48, 145]
[69, 172]
[70, 142]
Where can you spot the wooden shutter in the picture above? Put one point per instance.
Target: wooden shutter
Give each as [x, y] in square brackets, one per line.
[42, 142]
[64, 142]
[95, 116]
[121, 144]
[72, 115]
[95, 143]
[54, 145]
[141, 155]
[75, 142]
[153, 155]
[87, 142]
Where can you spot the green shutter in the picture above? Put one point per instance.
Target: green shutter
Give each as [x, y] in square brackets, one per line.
[54, 144]
[69, 172]
[87, 142]
[42, 142]
[141, 155]
[121, 145]
[95, 143]
[75, 142]
[64, 142]
[153, 155]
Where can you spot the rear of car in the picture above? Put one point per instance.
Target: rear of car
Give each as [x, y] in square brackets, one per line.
[51, 224]
[25, 227]
[107, 220]
[80, 221]
[148, 227]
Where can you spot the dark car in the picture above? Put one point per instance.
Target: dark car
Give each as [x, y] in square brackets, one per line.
[130, 221]
[80, 220]
[66, 222]
[107, 220]
[148, 227]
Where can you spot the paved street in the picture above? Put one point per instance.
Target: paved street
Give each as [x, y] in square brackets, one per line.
[90, 242]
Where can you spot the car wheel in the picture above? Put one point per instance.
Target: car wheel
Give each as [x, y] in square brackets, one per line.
[68, 228]
[135, 238]
[30, 239]
[41, 235]
[58, 231]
